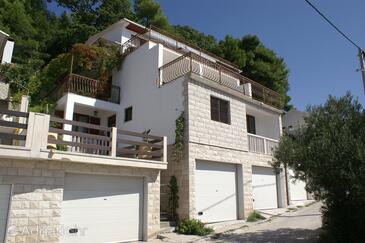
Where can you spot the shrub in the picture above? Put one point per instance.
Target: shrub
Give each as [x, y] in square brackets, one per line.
[193, 227]
[255, 216]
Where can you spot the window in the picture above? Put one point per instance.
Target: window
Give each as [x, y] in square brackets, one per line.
[112, 121]
[219, 110]
[128, 114]
[251, 126]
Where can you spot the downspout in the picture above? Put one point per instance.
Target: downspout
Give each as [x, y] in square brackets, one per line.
[286, 185]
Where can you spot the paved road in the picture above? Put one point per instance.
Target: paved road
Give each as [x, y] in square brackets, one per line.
[299, 226]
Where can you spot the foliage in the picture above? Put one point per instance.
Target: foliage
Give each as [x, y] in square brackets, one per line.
[178, 149]
[193, 227]
[329, 153]
[255, 216]
[173, 198]
[149, 12]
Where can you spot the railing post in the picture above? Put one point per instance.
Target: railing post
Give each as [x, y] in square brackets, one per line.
[164, 149]
[37, 132]
[265, 147]
[191, 63]
[114, 134]
[220, 74]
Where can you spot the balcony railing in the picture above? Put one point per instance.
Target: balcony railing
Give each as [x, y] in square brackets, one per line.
[99, 140]
[13, 127]
[262, 145]
[85, 86]
[193, 63]
[42, 133]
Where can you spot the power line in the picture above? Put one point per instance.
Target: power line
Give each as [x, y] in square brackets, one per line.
[333, 25]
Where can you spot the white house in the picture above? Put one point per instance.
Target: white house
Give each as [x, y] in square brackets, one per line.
[109, 181]
[293, 120]
[231, 122]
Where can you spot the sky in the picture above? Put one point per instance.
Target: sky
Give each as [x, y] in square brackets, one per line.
[321, 62]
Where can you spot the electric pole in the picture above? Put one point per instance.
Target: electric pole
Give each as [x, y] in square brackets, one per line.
[362, 65]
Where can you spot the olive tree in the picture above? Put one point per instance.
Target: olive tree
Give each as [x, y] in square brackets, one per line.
[328, 152]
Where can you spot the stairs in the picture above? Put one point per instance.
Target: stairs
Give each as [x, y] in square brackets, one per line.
[166, 226]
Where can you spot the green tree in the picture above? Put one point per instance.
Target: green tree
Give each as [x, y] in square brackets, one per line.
[149, 12]
[112, 11]
[329, 154]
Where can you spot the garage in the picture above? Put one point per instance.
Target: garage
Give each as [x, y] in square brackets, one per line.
[98, 208]
[215, 193]
[5, 192]
[296, 188]
[264, 188]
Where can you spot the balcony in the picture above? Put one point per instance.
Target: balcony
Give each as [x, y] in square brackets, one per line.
[89, 87]
[191, 63]
[44, 137]
[261, 145]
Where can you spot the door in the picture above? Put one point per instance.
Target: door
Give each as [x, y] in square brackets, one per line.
[215, 193]
[5, 192]
[296, 188]
[264, 188]
[98, 208]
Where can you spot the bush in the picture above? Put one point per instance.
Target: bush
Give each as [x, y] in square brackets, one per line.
[328, 152]
[255, 216]
[193, 227]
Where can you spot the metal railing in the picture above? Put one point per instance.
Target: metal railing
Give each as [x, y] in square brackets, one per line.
[193, 63]
[262, 145]
[82, 85]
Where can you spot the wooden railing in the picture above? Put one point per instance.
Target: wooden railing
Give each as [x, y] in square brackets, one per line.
[262, 145]
[13, 126]
[82, 85]
[139, 145]
[193, 63]
[74, 136]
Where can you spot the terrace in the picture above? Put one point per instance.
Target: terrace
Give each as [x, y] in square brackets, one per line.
[36, 135]
[194, 60]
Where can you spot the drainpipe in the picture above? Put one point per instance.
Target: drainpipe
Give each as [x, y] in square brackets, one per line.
[286, 185]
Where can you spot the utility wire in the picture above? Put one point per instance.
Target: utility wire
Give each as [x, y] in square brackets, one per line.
[333, 25]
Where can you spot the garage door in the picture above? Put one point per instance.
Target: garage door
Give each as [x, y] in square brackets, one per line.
[99, 208]
[264, 187]
[297, 189]
[215, 193]
[5, 191]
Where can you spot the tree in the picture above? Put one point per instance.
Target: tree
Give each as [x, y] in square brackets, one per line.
[329, 154]
[112, 11]
[149, 12]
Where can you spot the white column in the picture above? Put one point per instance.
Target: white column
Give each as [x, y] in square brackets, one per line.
[68, 115]
[240, 192]
[37, 132]
[114, 142]
[164, 149]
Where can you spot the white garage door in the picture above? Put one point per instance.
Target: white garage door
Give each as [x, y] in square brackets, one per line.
[215, 193]
[99, 208]
[5, 191]
[264, 187]
[297, 188]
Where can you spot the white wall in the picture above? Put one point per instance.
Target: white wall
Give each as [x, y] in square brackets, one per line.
[267, 122]
[8, 52]
[154, 107]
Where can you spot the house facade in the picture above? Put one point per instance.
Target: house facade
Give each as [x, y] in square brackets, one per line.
[94, 171]
[231, 122]
[293, 120]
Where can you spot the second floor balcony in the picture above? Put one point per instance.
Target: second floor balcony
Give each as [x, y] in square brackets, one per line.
[89, 87]
[192, 63]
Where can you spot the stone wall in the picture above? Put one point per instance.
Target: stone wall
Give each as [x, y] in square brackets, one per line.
[35, 209]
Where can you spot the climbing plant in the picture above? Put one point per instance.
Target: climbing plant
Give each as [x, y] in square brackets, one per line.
[173, 198]
[178, 149]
